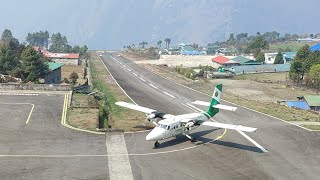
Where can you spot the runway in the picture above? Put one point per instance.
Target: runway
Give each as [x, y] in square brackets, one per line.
[285, 152]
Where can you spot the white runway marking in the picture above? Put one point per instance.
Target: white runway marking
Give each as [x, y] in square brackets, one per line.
[129, 70]
[153, 86]
[142, 80]
[119, 166]
[253, 142]
[188, 107]
[169, 95]
[135, 74]
[18, 94]
[192, 106]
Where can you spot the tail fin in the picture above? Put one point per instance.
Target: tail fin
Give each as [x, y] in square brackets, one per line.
[215, 100]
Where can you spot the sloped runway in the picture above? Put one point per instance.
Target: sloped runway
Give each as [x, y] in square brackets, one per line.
[278, 150]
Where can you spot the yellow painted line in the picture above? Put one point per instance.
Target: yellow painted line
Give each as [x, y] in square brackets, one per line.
[63, 108]
[30, 114]
[64, 118]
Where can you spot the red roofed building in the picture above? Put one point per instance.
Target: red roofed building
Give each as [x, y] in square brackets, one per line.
[223, 61]
[63, 58]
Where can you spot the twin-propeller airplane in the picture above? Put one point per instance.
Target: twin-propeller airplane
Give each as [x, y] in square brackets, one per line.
[168, 125]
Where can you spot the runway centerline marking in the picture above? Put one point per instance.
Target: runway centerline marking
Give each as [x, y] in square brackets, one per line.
[142, 80]
[31, 111]
[253, 142]
[135, 74]
[153, 86]
[169, 94]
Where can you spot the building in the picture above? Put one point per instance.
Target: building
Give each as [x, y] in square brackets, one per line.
[63, 58]
[297, 104]
[315, 47]
[287, 57]
[221, 61]
[54, 74]
[265, 68]
[245, 61]
[313, 102]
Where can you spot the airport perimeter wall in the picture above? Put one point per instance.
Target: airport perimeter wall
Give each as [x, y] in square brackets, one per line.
[36, 87]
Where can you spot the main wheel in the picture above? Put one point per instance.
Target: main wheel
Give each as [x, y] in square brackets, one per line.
[156, 144]
[193, 139]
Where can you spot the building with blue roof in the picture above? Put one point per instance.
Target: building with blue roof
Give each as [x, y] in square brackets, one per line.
[298, 104]
[315, 47]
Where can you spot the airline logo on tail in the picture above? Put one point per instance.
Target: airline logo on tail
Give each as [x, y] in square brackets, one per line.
[215, 100]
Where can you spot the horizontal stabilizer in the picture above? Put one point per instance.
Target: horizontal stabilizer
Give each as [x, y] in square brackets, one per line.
[229, 126]
[218, 106]
[135, 107]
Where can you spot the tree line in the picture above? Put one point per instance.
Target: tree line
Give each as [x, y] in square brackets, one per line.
[20, 60]
[305, 68]
[144, 44]
[59, 43]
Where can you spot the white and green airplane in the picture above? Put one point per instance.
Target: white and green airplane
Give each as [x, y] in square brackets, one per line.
[168, 125]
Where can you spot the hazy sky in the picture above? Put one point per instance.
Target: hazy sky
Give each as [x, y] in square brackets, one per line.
[107, 24]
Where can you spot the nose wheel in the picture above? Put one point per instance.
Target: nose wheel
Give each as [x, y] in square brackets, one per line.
[192, 139]
[156, 144]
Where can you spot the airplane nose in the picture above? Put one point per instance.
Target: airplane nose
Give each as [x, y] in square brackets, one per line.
[153, 136]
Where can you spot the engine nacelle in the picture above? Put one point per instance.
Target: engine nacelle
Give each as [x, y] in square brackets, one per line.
[189, 125]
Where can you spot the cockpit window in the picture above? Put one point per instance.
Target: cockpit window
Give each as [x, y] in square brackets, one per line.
[162, 126]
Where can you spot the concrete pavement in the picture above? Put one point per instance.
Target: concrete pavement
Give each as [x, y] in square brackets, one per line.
[293, 152]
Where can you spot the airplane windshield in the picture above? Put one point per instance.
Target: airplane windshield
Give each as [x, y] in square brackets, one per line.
[162, 126]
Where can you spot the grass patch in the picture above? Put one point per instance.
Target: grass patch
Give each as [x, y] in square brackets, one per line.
[83, 118]
[116, 117]
[83, 112]
[312, 127]
[294, 46]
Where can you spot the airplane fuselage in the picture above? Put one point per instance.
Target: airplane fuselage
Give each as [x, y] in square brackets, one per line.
[176, 125]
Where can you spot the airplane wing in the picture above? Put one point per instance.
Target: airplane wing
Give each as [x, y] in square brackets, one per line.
[219, 106]
[136, 107]
[229, 126]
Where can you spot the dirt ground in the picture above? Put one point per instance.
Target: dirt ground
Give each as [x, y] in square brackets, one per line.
[256, 91]
[66, 70]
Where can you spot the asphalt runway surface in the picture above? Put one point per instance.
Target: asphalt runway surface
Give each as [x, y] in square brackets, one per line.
[43, 148]
[277, 150]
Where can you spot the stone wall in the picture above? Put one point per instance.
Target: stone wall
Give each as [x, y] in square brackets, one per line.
[37, 87]
[67, 61]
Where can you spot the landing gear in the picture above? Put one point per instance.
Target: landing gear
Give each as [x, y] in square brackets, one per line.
[192, 139]
[156, 144]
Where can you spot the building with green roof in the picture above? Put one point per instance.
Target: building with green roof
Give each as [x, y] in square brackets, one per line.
[54, 74]
[313, 102]
[245, 61]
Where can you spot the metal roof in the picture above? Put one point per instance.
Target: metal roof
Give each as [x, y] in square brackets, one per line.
[220, 59]
[315, 47]
[298, 104]
[53, 66]
[245, 61]
[312, 100]
[260, 68]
